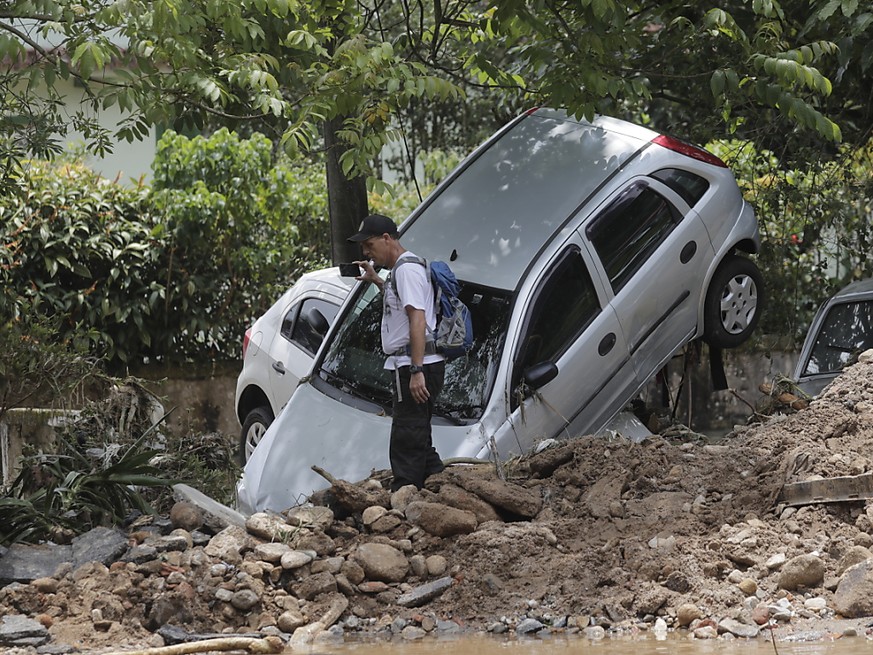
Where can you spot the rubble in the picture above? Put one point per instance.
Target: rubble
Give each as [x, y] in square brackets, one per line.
[592, 537]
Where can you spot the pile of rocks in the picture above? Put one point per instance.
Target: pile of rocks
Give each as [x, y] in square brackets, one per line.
[291, 575]
[591, 536]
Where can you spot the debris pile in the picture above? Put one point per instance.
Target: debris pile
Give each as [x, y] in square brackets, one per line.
[590, 536]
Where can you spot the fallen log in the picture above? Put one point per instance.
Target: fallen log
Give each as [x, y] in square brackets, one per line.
[264, 646]
[354, 497]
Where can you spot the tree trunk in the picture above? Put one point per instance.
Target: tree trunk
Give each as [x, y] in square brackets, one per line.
[347, 198]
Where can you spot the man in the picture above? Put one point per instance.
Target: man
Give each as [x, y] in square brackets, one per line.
[408, 326]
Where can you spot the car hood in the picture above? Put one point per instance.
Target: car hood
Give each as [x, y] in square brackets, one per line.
[315, 429]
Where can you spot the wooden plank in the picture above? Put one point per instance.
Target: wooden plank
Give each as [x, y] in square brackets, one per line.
[828, 490]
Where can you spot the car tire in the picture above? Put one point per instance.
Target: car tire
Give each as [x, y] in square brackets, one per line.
[733, 304]
[253, 428]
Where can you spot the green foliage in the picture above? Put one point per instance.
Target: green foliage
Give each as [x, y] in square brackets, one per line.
[815, 223]
[109, 460]
[239, 225]
[81, 250]
[35, 364]
[175, 274]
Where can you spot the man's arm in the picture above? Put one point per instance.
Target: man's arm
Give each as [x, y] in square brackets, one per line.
[417, 333]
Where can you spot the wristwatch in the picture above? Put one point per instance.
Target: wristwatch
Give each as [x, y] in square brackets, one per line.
[415, 369]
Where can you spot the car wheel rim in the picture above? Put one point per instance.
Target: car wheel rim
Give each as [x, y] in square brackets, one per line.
[253, 436]
[739, 303]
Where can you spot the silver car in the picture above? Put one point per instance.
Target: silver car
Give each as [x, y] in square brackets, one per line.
[589, 253]
[840, 331]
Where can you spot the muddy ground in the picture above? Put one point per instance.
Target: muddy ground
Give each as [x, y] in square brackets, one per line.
[590, 536]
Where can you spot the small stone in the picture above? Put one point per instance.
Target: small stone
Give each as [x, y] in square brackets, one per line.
[373, 514]
[373, 587]
[244, 600]
[186, 515]
[816, 604]
[705, 632]
[294, 559]
[760, 614]
[594, 632]
[436, 565]
[687, 613]
[776, 561]
[748, 586]
[45, 585]
[412, 632]
[529, 626]
[271, 552]
[418, 565]
[290, 620]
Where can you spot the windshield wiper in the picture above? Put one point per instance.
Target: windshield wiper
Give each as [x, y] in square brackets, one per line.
[347, 386]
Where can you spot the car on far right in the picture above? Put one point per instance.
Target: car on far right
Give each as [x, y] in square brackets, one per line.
[840, 331]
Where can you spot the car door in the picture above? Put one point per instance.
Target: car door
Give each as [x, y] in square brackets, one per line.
[567, 325]
[653, 251]
[295, 345]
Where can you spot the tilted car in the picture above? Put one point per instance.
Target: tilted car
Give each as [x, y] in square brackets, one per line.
[840, 331]
[588, 253]
[279, 347]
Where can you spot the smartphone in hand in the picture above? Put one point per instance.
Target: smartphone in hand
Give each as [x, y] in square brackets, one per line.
[349, 270]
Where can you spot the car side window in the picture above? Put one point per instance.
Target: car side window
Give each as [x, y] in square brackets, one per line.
[564, 306]
[303, 327]
[629, 230]
[689, 186]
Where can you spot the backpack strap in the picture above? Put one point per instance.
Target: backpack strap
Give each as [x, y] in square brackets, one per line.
[430, 343]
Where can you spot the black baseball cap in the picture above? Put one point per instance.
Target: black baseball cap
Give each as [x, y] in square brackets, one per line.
[374, 225]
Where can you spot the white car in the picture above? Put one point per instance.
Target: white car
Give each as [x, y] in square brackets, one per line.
[279, 348]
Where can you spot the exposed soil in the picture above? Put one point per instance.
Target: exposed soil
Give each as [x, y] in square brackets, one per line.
[677, 529]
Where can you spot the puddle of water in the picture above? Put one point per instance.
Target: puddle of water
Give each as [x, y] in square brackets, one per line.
[643, 644]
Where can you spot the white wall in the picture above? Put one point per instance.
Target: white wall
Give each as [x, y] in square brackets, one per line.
[127, 161]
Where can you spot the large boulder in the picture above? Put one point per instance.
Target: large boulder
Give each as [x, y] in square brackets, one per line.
[854, 595]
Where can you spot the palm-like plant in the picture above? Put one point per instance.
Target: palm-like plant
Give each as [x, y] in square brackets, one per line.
[69, 492]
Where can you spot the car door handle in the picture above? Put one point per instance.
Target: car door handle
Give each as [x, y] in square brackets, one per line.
[688, 252]
[606, 344]
[279, 367]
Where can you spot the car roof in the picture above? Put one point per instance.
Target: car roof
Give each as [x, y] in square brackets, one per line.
[327, 276]
[860, 287]
[505, 203]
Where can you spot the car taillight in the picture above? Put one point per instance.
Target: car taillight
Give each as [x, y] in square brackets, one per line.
[246, 339]
[688, 150]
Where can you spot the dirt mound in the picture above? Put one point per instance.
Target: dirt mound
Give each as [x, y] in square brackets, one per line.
[588, 535]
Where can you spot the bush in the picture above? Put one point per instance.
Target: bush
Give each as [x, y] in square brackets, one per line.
[174, 275]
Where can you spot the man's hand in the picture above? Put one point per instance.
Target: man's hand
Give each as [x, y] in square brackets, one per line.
[370, 274]
[417, 327]
[418, 387]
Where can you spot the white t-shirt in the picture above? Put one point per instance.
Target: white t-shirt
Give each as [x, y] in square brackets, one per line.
[411, 283]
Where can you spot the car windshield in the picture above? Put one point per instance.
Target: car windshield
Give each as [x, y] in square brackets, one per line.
[847, 331]
[354, 360]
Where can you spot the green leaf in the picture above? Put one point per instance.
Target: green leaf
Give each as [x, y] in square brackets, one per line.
[717, 83]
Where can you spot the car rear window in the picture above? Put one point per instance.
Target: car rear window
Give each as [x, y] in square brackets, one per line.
[688, 185]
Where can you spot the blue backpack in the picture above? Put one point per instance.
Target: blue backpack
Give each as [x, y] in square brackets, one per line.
[454, 329]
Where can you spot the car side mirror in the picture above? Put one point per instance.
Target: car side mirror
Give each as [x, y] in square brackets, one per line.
[540, 374]
[317, 321]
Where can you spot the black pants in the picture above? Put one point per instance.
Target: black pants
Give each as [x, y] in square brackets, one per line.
[413, 457]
